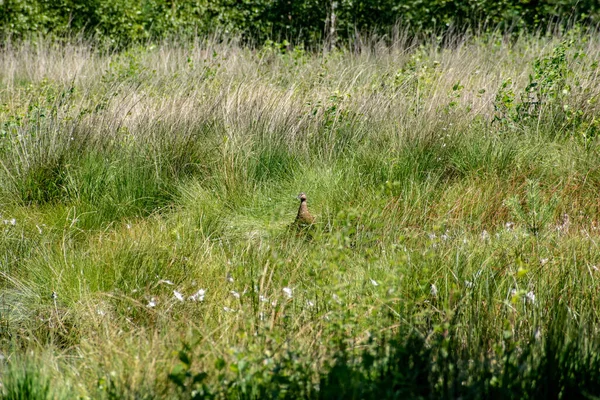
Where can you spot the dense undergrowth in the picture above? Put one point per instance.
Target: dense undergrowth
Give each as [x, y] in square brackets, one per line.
[118, 23]
[146, 198]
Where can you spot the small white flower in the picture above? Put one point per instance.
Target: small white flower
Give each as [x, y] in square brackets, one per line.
[229, 278]
[235, 294]
[310, 303]
[485, 235]
[288, 292]
[274, 303]
[434, 290]
[544, 261]
[374, 282]
[54, 295]
[13, 221]
[509, 225]
[432, 236]
[128, 226]
[198, 296]
[337, 298]
[178, 295]
[445, 237]
[151, 303]
[166, 282]
[100, 312]
[227, 309]
[530, 296]
[469, 284]
[263, 299]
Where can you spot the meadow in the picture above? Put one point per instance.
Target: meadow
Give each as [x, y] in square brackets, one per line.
[146, 197]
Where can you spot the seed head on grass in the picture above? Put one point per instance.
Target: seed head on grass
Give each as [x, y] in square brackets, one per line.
[198, 296]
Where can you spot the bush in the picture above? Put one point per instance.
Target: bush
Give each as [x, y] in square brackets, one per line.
[125, 21]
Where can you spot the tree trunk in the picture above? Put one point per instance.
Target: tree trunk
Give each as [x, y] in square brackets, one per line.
[332, 34]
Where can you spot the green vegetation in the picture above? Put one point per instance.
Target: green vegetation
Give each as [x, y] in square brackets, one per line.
[300, 21]
[146, 198]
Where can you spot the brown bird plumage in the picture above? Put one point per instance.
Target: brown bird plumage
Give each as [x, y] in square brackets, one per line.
[304, 218]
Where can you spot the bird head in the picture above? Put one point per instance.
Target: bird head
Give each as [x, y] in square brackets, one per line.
[302, 197]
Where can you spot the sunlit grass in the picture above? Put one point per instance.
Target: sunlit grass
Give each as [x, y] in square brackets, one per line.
[147, 197]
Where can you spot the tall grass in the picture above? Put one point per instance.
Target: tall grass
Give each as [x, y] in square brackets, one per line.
[455, 189]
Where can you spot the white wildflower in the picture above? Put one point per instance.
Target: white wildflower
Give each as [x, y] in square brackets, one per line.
[310, 303]
[485, 235]
[263, 299]
[445, 237]
[434, 290]
[544, 261]
[178, 295]
[198, 296]
[235, 294]
[509, 225]
[374, 282]
[432, 236]
[151, 303]
[530, 297]
[288, 292]
[229, 278]
[227, 309]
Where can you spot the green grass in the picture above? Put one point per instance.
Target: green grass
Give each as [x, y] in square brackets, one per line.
[455, 191]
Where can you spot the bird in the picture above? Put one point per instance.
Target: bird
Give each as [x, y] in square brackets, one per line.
[304, 217]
